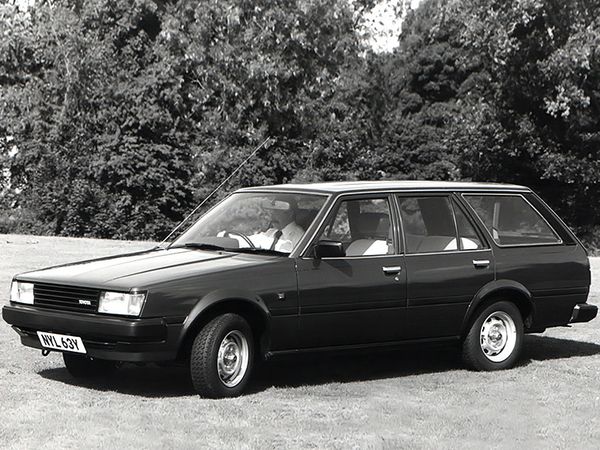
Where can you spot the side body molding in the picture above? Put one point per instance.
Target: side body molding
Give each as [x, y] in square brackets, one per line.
[217, 296]
[497, 288]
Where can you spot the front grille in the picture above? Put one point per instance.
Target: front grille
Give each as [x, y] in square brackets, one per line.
[67, 298]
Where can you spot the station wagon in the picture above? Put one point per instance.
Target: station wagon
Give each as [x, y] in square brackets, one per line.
[295, 268]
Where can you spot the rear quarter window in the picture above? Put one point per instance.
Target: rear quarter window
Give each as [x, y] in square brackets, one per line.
[512, 220]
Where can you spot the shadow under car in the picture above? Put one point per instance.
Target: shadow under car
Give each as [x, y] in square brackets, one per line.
[319, 368]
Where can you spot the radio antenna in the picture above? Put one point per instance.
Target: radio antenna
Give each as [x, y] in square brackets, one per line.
[254, 152]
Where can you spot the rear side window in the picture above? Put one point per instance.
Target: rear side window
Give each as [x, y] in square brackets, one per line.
[469, 238]
[511, 220]
[432, 224]
[428, 224]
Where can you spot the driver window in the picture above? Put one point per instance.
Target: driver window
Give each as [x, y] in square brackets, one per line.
[363, 226]
[339, 228]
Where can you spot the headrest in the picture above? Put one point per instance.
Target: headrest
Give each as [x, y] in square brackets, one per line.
[374, 225]
[304, 217]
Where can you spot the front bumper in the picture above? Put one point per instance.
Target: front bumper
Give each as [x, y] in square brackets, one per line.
[583, 312]
[111, 338]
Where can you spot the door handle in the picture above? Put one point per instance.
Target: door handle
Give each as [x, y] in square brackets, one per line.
[481, 262]
[391, 270]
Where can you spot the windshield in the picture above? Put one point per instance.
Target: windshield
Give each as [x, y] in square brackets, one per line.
[253, 221]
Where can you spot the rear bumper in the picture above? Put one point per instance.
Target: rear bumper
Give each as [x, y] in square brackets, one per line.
[112, 338]
[583, 313]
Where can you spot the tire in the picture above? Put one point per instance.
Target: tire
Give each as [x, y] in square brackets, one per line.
[495, 339]
[222, 355]
[85, 367]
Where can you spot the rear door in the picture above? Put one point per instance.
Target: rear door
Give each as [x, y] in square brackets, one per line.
[359, 298]
[534, 249]
[448, 260]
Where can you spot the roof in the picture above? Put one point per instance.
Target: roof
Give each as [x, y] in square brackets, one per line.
[408, 185]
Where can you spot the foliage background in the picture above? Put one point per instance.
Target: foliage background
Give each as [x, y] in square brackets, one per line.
[117, 117]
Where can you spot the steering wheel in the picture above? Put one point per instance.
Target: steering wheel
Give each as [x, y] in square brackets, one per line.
[243, 236]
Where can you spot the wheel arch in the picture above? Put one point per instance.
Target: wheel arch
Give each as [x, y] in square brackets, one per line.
[509, 290]
[246, 304]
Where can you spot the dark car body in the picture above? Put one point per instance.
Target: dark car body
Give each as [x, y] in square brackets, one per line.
[303, 302]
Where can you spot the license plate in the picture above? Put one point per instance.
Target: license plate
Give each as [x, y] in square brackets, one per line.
[61, 342]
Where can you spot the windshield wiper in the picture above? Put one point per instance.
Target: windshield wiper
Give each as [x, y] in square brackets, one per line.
[205, 246]
[263, 251]
[199, 246]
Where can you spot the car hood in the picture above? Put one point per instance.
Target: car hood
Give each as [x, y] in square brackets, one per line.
[142, 269]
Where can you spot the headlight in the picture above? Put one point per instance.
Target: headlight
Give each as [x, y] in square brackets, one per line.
[120, 303]
[21, 292]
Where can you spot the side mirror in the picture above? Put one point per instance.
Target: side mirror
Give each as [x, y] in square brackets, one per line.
[329, 249]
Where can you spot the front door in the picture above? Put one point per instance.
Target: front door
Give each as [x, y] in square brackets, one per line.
[359, 298]
[448, 261]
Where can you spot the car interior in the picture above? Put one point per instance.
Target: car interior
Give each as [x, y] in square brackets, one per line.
[429, 226]
[371, 234]
[512, 221]
[305, 216]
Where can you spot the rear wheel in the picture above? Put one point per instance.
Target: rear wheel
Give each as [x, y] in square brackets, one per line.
[495, 338]
[81, 366]
[221, 357]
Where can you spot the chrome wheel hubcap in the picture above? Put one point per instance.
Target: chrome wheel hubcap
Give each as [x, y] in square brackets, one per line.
[232, 359]
[498, 336]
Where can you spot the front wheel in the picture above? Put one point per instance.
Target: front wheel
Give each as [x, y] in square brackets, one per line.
[81, 366]
[495, 338]
[221, 357]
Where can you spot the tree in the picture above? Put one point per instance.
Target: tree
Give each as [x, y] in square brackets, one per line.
[94, 116]
[119, 116]
[125, 113]
[538, 122]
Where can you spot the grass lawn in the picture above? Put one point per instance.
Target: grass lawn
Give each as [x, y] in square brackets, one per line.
[410, 398]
